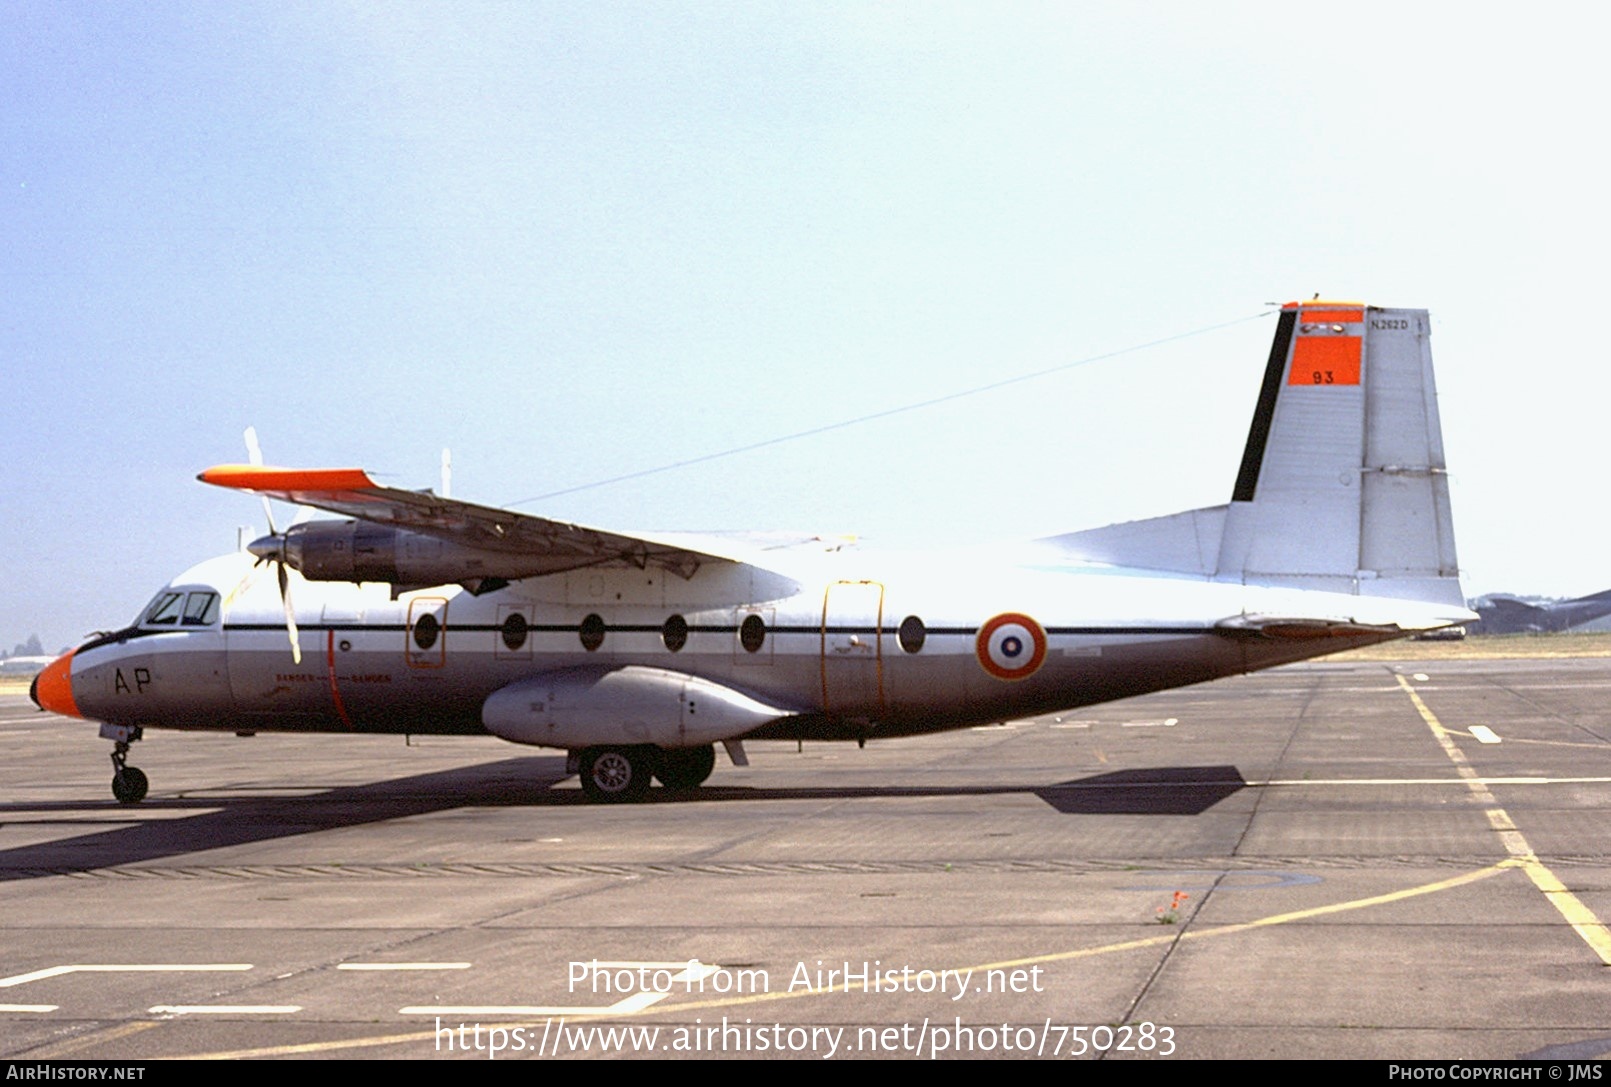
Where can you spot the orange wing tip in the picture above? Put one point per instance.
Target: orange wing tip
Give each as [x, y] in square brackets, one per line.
[253, 477]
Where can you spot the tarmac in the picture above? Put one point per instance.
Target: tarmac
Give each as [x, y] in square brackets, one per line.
[1401, 859]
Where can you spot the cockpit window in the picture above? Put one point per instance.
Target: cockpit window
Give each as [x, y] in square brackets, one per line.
[164, 610]
[201, 609]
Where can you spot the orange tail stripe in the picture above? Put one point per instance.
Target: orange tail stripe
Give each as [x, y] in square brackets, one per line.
[1325, 360]
[1333, 316]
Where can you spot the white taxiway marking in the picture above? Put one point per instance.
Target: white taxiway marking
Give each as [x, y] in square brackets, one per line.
[1168, 722]
[403, 966]
[687, 972]
[1420, 677]
[224, 1009]
[119, 968]
[1484, 734]
[631, 1005]
[28, 1007]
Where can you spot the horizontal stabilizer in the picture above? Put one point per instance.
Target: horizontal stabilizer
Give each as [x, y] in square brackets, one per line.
[1185, 543]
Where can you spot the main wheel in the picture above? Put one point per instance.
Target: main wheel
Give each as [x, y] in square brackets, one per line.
[129, 785]
[615, 775]
[686, 767]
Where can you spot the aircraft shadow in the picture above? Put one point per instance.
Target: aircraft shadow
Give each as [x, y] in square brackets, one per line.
[1170, 790]
[1167, 790]
[524, 782]
[235, 821]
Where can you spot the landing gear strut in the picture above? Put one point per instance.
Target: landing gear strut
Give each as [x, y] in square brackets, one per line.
[129, 783]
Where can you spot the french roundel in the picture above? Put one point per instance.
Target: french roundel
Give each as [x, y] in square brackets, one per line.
[1011, 646]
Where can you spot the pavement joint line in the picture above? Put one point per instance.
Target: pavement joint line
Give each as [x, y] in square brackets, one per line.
[223, 1009]
[1057, 956]
[82, 1042]
[1577, 914]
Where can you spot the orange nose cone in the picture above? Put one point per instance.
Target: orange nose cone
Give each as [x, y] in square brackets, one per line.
[53, 688]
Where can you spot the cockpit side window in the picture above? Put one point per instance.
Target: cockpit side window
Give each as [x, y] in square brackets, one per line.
[164, 610]
[201, 609]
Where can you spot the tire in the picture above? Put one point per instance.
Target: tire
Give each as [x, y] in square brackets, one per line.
[616, 775]
[685, 767]
[129, 785]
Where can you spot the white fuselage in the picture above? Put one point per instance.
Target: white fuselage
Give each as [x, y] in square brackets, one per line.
[816, 638]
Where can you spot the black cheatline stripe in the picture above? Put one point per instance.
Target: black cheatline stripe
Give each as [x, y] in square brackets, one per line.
[367, 627]
[491, 628]
[1130, 630]
[1247, 480]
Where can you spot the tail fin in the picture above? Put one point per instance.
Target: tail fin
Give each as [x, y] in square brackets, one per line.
[1342, 486]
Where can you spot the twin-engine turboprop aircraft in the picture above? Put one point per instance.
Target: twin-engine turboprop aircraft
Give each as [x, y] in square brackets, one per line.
[637, 654]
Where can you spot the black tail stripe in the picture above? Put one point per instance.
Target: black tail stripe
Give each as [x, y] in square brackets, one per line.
[1247, 480]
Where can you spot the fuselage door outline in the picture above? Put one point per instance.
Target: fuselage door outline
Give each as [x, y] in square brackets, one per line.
[425, 641]
[853, 647]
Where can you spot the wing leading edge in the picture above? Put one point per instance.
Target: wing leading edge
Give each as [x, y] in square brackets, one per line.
[533, 545]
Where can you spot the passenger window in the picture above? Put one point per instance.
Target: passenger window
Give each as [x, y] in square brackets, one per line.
[201, 609]
[165, 610]
[912, 634]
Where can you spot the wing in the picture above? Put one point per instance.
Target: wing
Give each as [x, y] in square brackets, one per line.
[542, 546]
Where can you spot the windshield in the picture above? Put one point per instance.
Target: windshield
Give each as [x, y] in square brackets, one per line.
[171, 608]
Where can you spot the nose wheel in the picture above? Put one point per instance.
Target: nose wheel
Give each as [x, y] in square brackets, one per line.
[129, 783]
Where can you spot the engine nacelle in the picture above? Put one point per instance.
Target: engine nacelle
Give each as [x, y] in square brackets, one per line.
[362, 551]
[584, 707]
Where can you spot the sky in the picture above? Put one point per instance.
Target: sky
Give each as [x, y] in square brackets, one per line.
[572, 242]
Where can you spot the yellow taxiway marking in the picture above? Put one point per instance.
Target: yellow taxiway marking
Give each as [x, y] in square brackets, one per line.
[1578, 915]
[1467, 782]
[795, 994]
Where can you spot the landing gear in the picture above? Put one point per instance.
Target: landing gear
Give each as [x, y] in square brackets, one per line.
[129, 783]
[685, 767]
[616, 775]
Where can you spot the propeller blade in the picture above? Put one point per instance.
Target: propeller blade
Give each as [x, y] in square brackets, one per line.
[290, 613]
[254, 454]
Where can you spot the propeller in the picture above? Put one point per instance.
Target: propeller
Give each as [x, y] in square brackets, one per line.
[271, 548]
